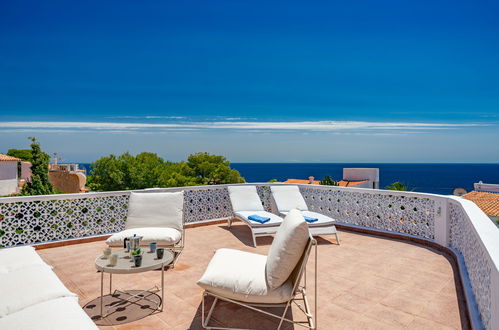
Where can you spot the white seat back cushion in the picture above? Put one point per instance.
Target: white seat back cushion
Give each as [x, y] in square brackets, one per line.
[288, 198]
[29, 286]
[163, 210]
[287, 248]
[244, 198]
[12, 259]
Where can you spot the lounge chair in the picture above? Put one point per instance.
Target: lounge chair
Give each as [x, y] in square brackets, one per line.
[254, 281]
[288, 197]
[246, 203]
[157, 217]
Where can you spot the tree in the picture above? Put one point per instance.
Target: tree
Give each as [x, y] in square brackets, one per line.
[398, 186]
[125, 172]
[212, 169]
[24, 154]
[39, 183]
[327, 181]
[148, 170]
[176, 175]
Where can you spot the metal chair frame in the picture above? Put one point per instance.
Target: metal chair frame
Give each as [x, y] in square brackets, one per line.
[310, 323]
[257, 230]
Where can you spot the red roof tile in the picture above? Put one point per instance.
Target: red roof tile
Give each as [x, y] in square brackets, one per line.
[346, 183]
[488, 202]
[5, 158]
[299, 181]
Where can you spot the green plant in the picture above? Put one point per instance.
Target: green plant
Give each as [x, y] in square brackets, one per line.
[398, 186]
[148, 170]
[39, 183]
[327, 181]
[136, 252]
[24, 154]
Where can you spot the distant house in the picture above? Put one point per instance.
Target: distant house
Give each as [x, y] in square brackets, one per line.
[13, 174]
[67, 178]
[486, 196]
[311, 180]
[352, 177]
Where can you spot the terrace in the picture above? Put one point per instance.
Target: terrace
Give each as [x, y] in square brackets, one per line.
[407, 260]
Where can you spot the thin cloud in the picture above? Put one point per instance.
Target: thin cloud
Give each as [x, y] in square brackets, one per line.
[146, 117]
[269, 126]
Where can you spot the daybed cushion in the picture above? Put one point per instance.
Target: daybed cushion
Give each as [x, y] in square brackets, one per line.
[287, 248]
[15, 258]
[29, 286]
[288, 197]
[162, 236]
[240, 276]
[275, 220]
[56, 314]
[155, 210]
[244, 198]
[324, 220]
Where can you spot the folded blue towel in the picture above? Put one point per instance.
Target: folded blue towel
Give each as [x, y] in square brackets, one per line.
[309, 219]
[258, 218]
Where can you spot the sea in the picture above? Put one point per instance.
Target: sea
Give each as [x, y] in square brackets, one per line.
[429, 178]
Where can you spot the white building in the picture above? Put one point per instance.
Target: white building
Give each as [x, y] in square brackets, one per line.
[13, 173]
[368, 176]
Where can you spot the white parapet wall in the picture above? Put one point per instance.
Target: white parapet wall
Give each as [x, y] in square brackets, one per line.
[491, 187]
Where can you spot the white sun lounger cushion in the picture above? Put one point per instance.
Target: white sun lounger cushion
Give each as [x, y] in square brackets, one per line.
[56, 314]
[323, 220]
[12, 259]
[288, 198]
[29, 286]
[244, 198]
[241, 276]
[162, 236]
[274, 219]
[287, 248]
[164, 210]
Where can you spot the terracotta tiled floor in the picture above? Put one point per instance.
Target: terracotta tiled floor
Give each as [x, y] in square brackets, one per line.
[367, 282]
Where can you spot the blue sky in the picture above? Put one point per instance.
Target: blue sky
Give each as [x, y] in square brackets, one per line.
[308, 81]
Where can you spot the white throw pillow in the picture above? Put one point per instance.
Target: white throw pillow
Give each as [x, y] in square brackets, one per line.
[287, 248]
[155, 210]
[288, 198]
[244, 198]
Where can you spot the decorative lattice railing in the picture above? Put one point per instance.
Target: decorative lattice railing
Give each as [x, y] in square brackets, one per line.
[36, 219]
[443, 220]
[472, 235]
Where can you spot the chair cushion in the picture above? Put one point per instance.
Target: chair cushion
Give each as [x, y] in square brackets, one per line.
[155, 210]
[240, 276]
[288, 197]
[162, 236]
[244, 198]
[324, 220]
[287, 248]
[15, 258]
[275, 220]
[29, 286]
[56, 314]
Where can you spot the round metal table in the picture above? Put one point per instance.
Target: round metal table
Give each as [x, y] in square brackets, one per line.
[125, 265]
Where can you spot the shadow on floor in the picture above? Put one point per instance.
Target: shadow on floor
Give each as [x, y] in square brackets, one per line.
[243, 234]
[120, 311]
[230, 315]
